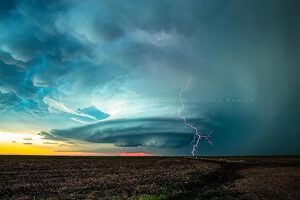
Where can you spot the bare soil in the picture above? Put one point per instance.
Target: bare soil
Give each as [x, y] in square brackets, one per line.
[34, 177]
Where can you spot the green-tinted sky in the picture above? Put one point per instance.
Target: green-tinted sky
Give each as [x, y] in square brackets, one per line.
[104, 76]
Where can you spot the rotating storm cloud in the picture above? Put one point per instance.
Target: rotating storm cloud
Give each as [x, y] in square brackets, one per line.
[104, 76]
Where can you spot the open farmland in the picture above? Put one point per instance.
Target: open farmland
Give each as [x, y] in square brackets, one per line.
[25, 177]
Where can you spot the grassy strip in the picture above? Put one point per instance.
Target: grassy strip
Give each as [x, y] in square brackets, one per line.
[153, 197]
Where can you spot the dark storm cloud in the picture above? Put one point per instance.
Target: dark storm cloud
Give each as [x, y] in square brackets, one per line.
[106, 30]
[6, 58]
[42, 42]
[17, 80]
[143, 132]
[6, 7]
[22, 42]
[98, 114]
[34, 55]
[72, 51]
[7, 101]
[49, 136]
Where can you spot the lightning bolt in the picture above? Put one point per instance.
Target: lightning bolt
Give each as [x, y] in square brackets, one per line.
[197, 135]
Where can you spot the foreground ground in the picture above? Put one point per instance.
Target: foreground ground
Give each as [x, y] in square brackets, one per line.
[149, 178]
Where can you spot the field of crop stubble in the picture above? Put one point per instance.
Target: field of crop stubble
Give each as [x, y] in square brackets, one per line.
[149, 178]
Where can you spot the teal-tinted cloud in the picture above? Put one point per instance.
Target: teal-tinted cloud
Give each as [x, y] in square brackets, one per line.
[142, 132]
[124, 58]
[98, 114]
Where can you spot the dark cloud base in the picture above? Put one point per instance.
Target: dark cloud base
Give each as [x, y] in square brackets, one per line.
[142, 132]
[69, 51]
